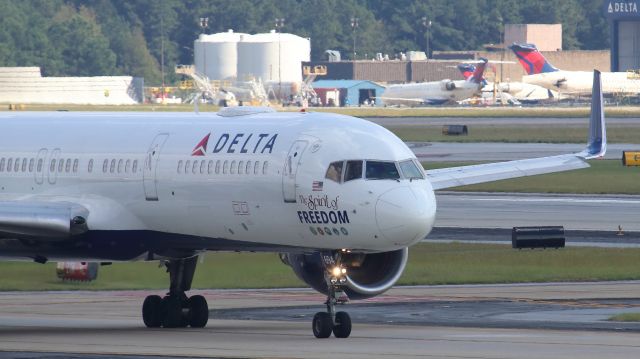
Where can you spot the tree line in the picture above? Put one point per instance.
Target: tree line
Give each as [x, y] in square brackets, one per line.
[133, 37]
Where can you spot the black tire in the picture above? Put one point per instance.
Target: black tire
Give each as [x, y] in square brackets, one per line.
[172, 312]
[342, 329]
[152, 311]
[322, 325]
[198, 311]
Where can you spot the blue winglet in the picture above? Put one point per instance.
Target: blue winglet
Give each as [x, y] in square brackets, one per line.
[597, 144]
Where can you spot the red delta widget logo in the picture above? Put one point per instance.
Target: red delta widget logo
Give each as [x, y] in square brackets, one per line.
[237, 143]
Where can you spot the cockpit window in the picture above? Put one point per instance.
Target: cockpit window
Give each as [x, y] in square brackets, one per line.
[334, 172]
[382, 170]
[353, 171]
[410, 170]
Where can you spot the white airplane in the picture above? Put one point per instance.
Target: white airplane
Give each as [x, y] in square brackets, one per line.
[542, 73]
[339, 197]
[509, 91]
[436, 92]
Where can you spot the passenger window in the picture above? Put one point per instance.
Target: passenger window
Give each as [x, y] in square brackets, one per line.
[16, 165]
[353, 170]
[334, 172]
[240, 167]
[10, 164]
[105, 164]
[31, 164]
[60, 165]
[233, 167]
[127, 166]
[217, 166]
[2, 164]
[225, 167]
[40, 163]
[67, 166]
[195, 167]
[187, 166]
[202, 164]
[248, 169]
[112, 168]
[135, 166]
[210, 167]
[120, 165]
[264, 167]
[256, 167]
[382, 170]
[90, 166]
[24, 165]
[180, 166]
[76, 162]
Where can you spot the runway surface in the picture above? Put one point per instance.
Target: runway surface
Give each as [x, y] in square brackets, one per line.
[437, 322]
[574, 212]
[521, 121]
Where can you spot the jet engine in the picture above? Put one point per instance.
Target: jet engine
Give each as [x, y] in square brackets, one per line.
[448, 85]
[368, 274]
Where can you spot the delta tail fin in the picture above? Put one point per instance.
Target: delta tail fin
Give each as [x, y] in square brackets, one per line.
[531, 59]
[478, 74]
[466, 70]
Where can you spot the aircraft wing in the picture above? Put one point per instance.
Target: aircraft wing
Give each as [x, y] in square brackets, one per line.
[596, 147]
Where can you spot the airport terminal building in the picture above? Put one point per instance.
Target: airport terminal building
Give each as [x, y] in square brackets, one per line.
[624, 21]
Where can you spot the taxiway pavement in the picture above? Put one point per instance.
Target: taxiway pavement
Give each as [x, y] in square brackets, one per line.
[86, 324]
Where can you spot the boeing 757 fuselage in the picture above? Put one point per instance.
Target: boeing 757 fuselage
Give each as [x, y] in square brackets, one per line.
[340, 198]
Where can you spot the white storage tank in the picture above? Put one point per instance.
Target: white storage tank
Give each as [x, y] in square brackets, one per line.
[216, 55]
[273, 57]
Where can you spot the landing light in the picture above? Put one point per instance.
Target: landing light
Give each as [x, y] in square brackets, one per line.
[338, 275]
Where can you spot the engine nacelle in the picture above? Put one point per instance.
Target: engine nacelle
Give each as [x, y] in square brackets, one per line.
[368, 274]
[448, 85]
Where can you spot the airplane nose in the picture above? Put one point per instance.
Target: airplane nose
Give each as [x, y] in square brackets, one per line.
[405, 215]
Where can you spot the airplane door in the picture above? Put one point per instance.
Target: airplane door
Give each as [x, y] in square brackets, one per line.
[290, 168]
[41, 166]
[151, 166]
[51, 166]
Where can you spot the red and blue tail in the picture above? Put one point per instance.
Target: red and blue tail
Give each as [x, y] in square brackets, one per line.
[477, 76]
[466, 70]
[531, 59]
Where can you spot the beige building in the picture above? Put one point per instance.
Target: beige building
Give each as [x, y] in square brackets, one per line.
[547, 37]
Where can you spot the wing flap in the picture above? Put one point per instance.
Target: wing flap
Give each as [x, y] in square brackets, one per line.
[466, 175]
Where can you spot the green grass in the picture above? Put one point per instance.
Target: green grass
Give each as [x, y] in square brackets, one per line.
[626, 317]
[603, 177]
[429, 263]
[437, 111]
[515, 134]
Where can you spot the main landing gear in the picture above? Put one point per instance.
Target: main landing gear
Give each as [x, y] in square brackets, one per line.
[176, 310]
[331, 321]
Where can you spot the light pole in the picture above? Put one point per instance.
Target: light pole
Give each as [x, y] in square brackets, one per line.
[279, 25]
[354, 25]
[204, 24]
[426, 23]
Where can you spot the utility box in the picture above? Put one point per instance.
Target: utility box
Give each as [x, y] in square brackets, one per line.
[631, 158]
[455, 130]
[538, 237]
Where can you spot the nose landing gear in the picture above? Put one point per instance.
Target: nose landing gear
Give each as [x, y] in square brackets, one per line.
[324, 323]
[176, 310]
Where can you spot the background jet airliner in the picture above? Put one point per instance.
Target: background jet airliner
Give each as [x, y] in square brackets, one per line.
[542, 73]
[507, 91]
[436, 92]
[340, 198]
